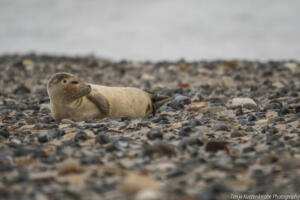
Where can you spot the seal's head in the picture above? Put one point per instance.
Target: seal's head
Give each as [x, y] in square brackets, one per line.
[65, 87]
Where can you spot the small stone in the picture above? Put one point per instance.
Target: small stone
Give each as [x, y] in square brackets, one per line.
[81, 136]
[56, 133]
[67, 121]
[185, 131]
[22, 90]
[293, 67]
[102, 139]
[148, 194]
[30, 120]
[43, 137]
[175, 173]
[122, 143]
[45, 119]
[215, 146]
[15, 141]
[239, 111]
[248, 149]
[214, 109]
[236, 134]
[269, 129]
[290, 136]
[4, 133]
[284, 110]
[159, 148]
[242, 101]
[251, 118]
[126, 118]
[220, 127]
[155, 134]
[192, 141]
[268, 159]
[179, 101]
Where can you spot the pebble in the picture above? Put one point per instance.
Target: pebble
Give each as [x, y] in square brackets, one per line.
[243, 101]
[293, 67]
[102, 139]
[4, 133]
[248, 149]
[148, 194]
[220, 127]
[155, 134]
[160, 148]
[185, 131]
[236, 134]
[179, 101]
[191, 141]
[43, 137]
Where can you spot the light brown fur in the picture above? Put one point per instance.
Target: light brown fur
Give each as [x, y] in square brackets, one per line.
[82, 101]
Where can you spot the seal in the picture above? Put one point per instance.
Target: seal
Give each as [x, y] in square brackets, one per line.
[70, 97]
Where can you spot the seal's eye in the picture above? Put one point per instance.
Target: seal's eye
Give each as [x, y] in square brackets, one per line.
[65, 80]
[74, 82]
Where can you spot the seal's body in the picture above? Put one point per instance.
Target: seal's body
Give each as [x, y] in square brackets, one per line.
[125, 101]
[72, 98]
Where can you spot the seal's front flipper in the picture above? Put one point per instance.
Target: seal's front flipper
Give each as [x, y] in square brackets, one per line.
[158, 101]
[100, 101]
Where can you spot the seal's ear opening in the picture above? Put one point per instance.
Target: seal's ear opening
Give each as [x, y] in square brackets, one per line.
[158, 101]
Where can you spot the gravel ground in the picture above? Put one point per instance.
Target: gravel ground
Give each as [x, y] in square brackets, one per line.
[231, 128]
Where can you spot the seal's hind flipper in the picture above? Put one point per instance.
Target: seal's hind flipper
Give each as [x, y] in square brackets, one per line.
[100, 101]
[158, 101]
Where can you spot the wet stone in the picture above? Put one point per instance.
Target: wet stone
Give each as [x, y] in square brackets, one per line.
[81, 136]
[45, 119]
[293, 100]
[251, 117]
[155, 134]
[102, 139]
[290, 136]
[284, 110]
[179, 101]
[249, 128]
[56, 133]
[268, 159]
[239, 111]
[4, 133]
[90, 160]
[185, 131]
[43, 137]
[250, 106]
[248, 149]
[220, 127]
[160, 148]
[236, 134]
[269, 130]
[191, 141]
[176, 173]
[125, 118]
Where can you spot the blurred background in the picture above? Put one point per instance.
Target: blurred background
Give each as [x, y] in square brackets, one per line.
[153, 30]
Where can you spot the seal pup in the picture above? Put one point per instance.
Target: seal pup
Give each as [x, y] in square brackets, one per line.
[71, 97]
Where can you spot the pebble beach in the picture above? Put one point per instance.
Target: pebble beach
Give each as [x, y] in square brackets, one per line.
[231, 128]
